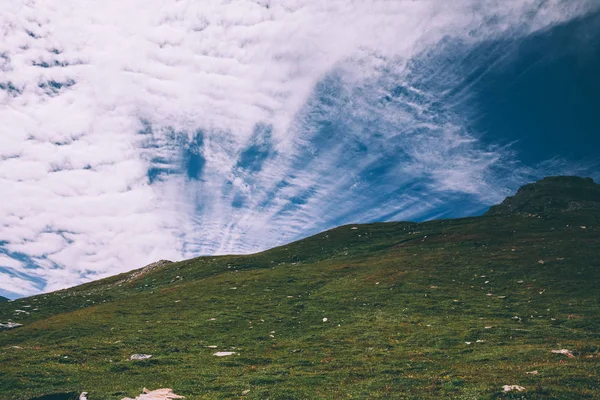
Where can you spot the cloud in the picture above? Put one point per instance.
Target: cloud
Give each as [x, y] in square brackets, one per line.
[14, 285]
[133, 132]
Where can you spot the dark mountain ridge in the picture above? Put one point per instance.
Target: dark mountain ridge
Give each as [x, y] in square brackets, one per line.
[554, 194]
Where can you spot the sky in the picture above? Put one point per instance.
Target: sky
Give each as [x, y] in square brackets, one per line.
[133, 131]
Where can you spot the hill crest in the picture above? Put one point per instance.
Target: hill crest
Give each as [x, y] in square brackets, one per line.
[551, 195]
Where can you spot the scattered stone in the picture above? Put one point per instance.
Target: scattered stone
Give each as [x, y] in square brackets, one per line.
[211, 319]
[531, 372]
[488, 327]
[140, 356]
[245, 392]
[480, 341]
[467, 342]
[354, 228]
[158, 394]
[212, 347]
[540, 261]
[144, 271]
[83, 396]
[520, 281]
[566, 352]
[583, 227]
[325, 319]
[9, 325]
[510, 388]
[224, 353]
[501, 297]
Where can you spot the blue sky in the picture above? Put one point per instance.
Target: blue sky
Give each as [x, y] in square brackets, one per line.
[231, 127]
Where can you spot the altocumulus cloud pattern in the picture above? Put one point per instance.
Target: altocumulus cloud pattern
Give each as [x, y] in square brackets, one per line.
[137, 130]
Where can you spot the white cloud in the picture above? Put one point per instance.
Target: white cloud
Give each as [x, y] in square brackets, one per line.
[83, 78]
[18, 285]
[6, 261]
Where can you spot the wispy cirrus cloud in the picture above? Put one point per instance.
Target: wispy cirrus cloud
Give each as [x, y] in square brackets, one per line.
[135, 131]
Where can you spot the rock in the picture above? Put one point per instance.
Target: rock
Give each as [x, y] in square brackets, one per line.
[9, 325]
[325, 319]
[140, 356]
[83, 396]
[245, 392]
[158, 394]
[566, 352]
[224, 353]
[531, 372]
[510, 388]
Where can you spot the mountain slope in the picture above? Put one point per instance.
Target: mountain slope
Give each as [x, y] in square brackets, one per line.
[551, 195]
[440, 309]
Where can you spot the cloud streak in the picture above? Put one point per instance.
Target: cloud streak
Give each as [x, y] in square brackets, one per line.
[133, 132]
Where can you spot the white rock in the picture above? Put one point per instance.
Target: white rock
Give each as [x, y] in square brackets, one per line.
[9, 325]
[83, 396]
[510, 388]
[140, 356]
[158, 394]
[566, 352]
[224, 353]
[325, 319]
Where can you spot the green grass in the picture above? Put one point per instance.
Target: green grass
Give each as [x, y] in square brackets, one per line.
[401, 300]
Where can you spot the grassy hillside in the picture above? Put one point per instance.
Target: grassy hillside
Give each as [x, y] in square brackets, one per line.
[441, 309]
